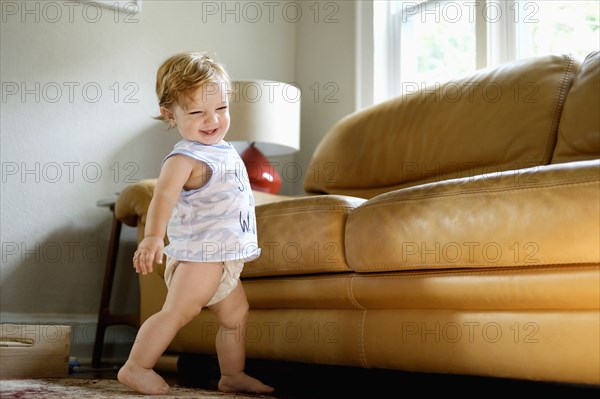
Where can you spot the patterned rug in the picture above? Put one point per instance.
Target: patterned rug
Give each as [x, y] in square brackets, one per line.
[78, 388]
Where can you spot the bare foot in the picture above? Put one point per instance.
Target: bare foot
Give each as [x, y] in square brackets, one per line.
[143, 380]
[242, 382]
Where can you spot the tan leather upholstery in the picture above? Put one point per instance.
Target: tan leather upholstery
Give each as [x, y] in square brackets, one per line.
[302, 236]
[442, 233]
[500, 119]
[132, 204]
[579, 129]
[515, 218]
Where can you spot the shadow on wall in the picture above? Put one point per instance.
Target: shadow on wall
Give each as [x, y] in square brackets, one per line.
[59, 281]
[60, 274]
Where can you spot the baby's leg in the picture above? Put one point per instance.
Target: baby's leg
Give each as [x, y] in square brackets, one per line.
[192, 286]
[232, 312]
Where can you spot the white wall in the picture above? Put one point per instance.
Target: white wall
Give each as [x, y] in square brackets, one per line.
[325, 58]
[76, 126]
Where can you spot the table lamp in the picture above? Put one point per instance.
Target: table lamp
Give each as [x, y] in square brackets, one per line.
[265, 114]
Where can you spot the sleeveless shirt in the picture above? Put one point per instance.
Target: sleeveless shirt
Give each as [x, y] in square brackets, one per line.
[214, 223]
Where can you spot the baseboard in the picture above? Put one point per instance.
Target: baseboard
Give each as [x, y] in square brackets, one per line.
[117, 340]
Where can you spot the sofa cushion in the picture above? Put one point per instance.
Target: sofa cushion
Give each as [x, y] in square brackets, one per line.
[545, 215]
[579, 129]
[497, 119]
[301, 236]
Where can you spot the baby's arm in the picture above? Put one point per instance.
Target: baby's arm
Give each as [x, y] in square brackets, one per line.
[175, 173]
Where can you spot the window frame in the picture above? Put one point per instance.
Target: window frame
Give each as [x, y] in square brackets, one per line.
[378, 43]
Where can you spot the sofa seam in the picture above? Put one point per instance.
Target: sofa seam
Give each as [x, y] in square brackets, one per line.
[558, 108]
[313, 271]
[478, 193]
[320, 277]
[430, 272]
[305, 209]
[498, 270]
[363, 354]
[499, 266]
[351, 294]
[504, 265]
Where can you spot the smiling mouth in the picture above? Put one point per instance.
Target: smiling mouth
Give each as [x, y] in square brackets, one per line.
[209, 132]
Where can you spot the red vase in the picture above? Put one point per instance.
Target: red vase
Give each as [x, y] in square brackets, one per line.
[262, 174]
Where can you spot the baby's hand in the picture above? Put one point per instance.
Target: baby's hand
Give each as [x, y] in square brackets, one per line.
[149, 251]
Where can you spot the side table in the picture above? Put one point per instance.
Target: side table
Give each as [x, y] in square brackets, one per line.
[105, 317]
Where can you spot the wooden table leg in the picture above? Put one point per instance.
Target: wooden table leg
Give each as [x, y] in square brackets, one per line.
[105, 317]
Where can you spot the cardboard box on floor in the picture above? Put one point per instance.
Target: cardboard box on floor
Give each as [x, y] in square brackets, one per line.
[34, 351]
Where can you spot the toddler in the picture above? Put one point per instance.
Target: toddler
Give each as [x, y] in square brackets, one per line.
[204, 203]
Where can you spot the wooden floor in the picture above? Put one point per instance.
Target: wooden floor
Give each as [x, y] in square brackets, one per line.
[304, 381]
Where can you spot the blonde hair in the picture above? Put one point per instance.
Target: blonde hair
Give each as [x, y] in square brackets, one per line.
[181, 75]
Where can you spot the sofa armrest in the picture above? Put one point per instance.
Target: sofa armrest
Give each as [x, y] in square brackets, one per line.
[132, 205]
[133, 202]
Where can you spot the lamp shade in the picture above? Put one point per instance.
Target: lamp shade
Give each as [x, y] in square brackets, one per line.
[266, 113]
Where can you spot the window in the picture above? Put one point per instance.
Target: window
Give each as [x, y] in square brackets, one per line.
[421, 43]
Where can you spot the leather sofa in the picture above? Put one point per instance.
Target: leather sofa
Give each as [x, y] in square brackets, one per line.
[454, 229]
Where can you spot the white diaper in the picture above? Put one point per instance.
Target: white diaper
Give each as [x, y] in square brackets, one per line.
[229, 278]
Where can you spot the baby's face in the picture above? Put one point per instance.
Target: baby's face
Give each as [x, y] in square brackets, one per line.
[206, 118]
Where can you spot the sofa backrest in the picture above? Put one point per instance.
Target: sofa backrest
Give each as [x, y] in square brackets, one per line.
[496, 119]
[579, 128]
